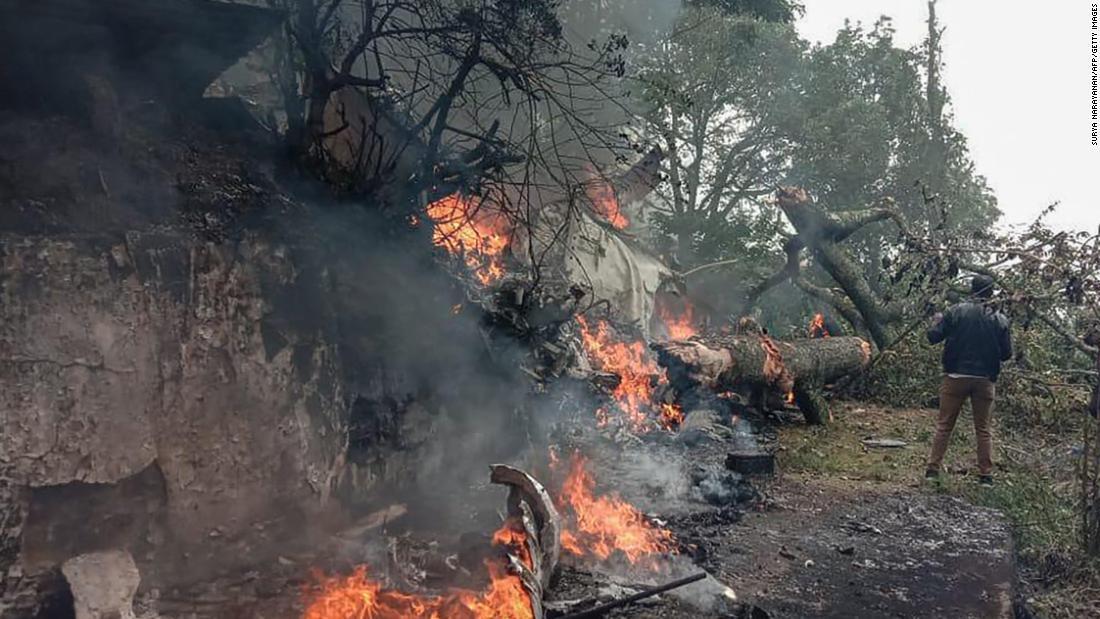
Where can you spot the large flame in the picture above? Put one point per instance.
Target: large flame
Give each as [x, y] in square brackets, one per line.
[817, 327]
[599, 526]
[470, 228]
[359, 597]
[679, 326]
[636, 370]
[605, 202]
[672, 416]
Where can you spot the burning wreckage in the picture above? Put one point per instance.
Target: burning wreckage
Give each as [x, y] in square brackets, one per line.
[640, 451]
[634, 406]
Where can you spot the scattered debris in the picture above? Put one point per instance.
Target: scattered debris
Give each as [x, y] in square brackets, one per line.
[528, 497]
[721, 488]
[753, 612]
[605, 608]
[862, 527]
[615, 591]
[884, 443]
[755, 462]
[703, 425]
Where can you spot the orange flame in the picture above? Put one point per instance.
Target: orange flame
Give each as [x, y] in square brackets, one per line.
[817, 326]
[679, 326]
[634, 366]
[599, 526]
[606, 203]
[790, 397]
[672, 416]
[359, 597]
[469, 228]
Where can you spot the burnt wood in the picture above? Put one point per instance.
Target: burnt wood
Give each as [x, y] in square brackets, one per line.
[728, 362]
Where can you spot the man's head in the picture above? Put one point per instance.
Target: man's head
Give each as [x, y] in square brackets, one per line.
[982, 286]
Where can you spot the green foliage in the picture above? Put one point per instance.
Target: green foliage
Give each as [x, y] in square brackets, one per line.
[781, 11]
[866, 134]
[740, 105]
[907, 375]
[716, 92]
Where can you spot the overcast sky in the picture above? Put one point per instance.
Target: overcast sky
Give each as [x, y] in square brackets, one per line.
[1019, 78]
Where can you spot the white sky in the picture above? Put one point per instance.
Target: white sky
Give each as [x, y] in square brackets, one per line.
[1019, 77]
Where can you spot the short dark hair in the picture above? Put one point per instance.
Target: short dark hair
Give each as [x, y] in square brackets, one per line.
[982, 286]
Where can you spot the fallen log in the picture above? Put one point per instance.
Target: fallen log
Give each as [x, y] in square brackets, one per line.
[727, 362]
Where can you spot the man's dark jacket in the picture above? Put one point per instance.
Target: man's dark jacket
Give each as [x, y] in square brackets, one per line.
[978, 340]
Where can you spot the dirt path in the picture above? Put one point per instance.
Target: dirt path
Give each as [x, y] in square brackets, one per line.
[849, 532]
[832, 550]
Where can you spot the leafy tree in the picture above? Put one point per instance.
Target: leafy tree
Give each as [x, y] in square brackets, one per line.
[779, 11]
[872, 142]
[874, 128]
[718, 93]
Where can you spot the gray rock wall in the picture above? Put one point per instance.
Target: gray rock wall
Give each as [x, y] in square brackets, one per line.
[154, 352]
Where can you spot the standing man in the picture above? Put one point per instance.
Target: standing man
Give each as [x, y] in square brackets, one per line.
[977, 341]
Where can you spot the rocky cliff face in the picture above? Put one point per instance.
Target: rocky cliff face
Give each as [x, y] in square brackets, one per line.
[159, 363]
[200, 366]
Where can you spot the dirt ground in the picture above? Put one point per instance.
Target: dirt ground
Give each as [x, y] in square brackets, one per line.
[837, 550]
[846, 530]
[850, 530]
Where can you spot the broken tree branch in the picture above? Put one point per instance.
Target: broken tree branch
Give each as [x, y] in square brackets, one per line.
[820, 231]
[837, 302]
[793, 249]
[727, 362]
[844, 225]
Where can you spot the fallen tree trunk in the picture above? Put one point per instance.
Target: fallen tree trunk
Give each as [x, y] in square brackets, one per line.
[727, 362]
[723, 362]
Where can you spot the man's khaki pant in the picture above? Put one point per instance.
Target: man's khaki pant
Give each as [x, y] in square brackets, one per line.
[953, 392]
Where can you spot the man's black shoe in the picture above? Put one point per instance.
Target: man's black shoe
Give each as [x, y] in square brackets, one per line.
[931, 474]
[985, 480]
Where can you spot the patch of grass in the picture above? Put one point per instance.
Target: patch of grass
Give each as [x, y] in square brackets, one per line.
[838, 451]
